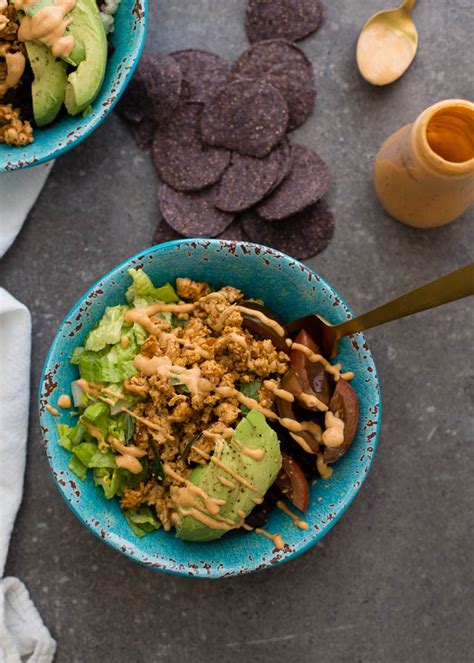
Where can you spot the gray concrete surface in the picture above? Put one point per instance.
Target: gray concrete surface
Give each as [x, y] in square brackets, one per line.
[393, 581]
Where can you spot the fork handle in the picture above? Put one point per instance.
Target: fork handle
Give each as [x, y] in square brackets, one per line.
[455, 285]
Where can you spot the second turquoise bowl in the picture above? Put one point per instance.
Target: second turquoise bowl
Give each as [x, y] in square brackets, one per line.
[291, 290]
[50, 142]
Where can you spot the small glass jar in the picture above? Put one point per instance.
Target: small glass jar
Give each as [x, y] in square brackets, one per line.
[424, 173]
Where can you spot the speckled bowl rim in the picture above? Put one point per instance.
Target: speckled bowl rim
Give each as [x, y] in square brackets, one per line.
[204, 572]
[88, 124]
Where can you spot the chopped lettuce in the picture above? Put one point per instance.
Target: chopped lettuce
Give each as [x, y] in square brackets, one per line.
[103, 360]
[84, 452]
[99, 415]
[109, 479]
[111, 365]
[79, 469]
[142, 521]
[101, 459]
[96, 410]
[142, 286]
[76, 355]
[109, 329]
[122, 426]
[70, 436]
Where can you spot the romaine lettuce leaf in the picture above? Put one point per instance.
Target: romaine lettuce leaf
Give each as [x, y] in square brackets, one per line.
[76, 355]
[100, 460]
[84, 452]
[122, 426]
[70, 436]
[111, 365]
[96, 410]
[109, 329]
[109, 479]
[79, 469]
[141, 521]
[142, 286]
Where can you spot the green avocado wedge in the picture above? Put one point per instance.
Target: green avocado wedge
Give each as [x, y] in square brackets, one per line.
[48, 87]
[78, 54]
[253, 432]
[85, 82]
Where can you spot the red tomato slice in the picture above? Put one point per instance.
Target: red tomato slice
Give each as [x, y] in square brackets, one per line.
[344, 403]
[292, 482]
[313, 377]
[297, 357]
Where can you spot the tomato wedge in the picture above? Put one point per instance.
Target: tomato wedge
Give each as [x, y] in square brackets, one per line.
[291, 382]
[345, 405]
[313, 377]
[292, 482]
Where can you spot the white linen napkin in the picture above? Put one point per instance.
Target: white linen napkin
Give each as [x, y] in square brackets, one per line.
[22, 632]
[23, 636]
[18, 193]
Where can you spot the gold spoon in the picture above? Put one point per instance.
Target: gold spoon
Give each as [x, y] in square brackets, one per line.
[387, 44]
[455, 285]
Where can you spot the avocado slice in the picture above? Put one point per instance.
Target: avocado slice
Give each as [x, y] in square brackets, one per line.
[252, 432]
[84, 83]
[78, 54]
[48, 87]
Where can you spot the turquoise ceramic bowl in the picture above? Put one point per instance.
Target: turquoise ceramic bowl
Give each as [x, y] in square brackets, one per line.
[67, 132]
[290, 289]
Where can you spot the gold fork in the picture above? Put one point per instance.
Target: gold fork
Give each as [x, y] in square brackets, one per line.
[448, 288]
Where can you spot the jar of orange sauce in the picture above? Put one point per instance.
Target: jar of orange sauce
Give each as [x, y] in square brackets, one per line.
[424, 173]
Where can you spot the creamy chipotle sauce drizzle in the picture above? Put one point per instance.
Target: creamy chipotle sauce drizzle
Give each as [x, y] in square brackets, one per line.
[227, 482]
[300, 524]
[64, 402]
[48, 25]
[94, 431]
[15, 64]
[323, 468]
[333, 436]
[238, 477]
[264, 319]
[279, 393]
[52, 409]
[276, 538]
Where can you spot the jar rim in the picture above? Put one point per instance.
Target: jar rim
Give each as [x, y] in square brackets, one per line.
[436, 160]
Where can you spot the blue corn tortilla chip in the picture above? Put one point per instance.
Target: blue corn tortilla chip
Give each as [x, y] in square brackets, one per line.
[154, 91]
[301, 236]
[307, 181]
[164, 233]
[247, 116]
[286, 19]
[182, 160]
[192, 214]
[283, 65]
[248, 179]
[203, 74]
[234, 232]
[143, 133]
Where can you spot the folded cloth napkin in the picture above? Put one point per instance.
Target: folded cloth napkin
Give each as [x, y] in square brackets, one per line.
[18, 193]
[22, 633]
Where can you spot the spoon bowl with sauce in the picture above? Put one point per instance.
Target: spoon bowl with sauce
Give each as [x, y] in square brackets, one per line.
[289, 289]
[387, 45]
